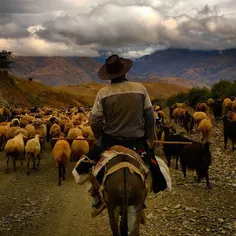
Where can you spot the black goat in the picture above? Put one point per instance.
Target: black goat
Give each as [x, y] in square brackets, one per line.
[197, 157]
[217, 109]
[229, 131]
[174, 150]
[188, 122]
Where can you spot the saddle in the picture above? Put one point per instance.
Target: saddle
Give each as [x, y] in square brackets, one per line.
[116, 158]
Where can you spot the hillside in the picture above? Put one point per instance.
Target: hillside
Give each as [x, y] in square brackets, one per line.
[155, 89]
[18, 92]
[201, 67]
[56, 71]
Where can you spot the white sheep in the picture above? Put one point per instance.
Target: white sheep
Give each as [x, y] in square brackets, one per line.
[15, 148]
[32, 150]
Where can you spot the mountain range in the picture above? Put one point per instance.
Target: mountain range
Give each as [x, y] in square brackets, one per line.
[178, 66]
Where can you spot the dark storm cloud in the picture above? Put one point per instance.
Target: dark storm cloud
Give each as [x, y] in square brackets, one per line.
[130, 27]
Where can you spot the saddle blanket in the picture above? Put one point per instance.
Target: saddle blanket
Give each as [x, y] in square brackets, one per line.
[115, 151]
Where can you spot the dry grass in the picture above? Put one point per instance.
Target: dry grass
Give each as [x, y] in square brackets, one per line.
[155, 89]
[20, 92]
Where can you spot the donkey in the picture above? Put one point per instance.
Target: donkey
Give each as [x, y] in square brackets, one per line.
[124, 194]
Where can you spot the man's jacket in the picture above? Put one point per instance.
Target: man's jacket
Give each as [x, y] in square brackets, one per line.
[122, 109]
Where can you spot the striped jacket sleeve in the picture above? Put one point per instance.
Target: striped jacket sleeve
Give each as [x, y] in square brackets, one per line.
[149, 119]
[96, 119]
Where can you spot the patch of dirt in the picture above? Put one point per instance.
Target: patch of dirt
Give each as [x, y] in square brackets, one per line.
[35, 206]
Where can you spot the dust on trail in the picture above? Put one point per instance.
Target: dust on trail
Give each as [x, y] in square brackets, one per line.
[35, 206]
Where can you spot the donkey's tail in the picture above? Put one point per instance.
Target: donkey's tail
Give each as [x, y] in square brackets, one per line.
[124, 211]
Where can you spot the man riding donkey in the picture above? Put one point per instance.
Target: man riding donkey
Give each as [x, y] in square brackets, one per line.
[122, 114]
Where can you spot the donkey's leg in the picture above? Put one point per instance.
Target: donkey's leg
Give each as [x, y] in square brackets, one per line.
[114, 213]
[134, 217]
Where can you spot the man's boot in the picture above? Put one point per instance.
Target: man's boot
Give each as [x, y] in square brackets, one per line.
[98, 205]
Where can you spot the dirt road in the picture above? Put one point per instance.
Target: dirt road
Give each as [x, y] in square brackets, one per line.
[35, 206]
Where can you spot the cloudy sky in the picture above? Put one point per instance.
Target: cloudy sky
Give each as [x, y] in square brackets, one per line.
[131, 28]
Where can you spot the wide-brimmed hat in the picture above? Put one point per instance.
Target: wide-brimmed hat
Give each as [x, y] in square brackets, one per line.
[114, 67]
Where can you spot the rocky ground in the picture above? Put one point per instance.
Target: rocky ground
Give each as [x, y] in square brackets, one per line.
[35, 206]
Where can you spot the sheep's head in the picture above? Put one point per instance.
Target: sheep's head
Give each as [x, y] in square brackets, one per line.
[39, 137]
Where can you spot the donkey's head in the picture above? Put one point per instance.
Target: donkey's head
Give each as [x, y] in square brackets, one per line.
[82, 170]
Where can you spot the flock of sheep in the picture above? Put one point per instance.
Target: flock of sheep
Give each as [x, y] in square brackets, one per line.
[24, 137]
[24, 132]
[195, 155]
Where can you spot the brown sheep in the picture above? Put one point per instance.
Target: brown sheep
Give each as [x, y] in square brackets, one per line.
[41, 129]
[27, 119]
[227, 105]
[155, 115]
[197, 107]
[61, 153]
[203, 107]
[22, 131]
[234, 106]
[210, 101]
[1, 113]
[226, 100]
[205, 126]
[182, 105]
[161, 115]
[3, 133]
[88, 133]
[7, 113]
[79, 148]
[231, 115]
[30, 130]
[175, 114]
[15, 123]
[74, 132]
[180, 115]
[54, 130]
[11, 132]
[197, 117]
[62, 123]
[68, 126]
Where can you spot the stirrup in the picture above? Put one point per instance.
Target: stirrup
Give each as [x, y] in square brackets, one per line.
[97, 209]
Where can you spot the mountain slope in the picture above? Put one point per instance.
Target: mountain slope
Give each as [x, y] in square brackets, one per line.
[198, 66]
[179, 66]
[18, 92]
[155, 89]
[23, 93]
[57, 70]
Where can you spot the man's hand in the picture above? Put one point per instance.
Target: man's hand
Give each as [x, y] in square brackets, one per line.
[150, 144]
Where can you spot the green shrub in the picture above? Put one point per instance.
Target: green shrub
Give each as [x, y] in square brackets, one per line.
[223, 89]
